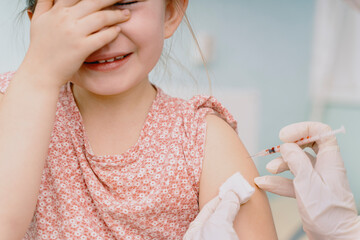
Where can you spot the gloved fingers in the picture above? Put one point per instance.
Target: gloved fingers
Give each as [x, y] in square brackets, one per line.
[196, 226]
[313, 145]
[228, 207]
[330, 167]
[276, 184]
[278, 165]
[311, 157]
[193, 232]
[208, 209]
[329, 162]
[296, 131]
[215, 220]
[297, 160]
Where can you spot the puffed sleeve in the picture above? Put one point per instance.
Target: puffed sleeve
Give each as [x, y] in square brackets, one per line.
[194, 112]
[5, 80]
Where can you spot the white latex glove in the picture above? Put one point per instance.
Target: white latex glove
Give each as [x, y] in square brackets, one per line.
[325, 201]
[216, 219]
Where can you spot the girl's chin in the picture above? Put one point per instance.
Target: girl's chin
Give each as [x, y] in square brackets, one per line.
[104, 87]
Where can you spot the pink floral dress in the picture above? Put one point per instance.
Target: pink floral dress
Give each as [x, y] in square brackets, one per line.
[150, 191]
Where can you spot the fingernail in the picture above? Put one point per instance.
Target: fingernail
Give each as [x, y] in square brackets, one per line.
[272, 167]
[126, 12]
[258, 180]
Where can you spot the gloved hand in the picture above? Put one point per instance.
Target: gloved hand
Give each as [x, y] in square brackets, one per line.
[216, 220]
[325, 201]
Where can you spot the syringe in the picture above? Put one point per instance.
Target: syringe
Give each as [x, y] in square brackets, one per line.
[300, 142]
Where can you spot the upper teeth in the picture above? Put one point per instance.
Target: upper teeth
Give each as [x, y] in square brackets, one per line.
[111, 60]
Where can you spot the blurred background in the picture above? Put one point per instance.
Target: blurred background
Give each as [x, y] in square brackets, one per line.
[271, 63]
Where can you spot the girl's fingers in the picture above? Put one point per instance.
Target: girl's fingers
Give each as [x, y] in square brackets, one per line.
[101, 38]
[67, 3]
[86, 7]
[43, 6]
[97, 21]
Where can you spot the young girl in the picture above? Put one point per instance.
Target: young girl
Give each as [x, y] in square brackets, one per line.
[90, 149]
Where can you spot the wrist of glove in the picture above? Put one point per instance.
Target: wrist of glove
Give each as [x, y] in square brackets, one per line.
[328, 210]
[346, 231]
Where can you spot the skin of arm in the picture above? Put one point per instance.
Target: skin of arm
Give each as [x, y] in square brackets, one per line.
[27, 114]
[224, 155]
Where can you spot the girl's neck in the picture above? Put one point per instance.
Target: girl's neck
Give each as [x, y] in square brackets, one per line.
[134, 101]
[113, 123]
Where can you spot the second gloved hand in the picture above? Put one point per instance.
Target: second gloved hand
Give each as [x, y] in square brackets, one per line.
[216, 219]
[325, 201]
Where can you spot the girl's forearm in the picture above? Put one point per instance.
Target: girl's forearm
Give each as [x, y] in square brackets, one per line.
[27, 113]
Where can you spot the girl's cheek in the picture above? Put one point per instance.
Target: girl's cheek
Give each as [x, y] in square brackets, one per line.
[143, 28]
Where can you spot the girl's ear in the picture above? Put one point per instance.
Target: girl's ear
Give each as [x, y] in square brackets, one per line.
[175, 11]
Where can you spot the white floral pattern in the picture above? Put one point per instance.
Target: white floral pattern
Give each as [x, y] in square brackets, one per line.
[149, 192]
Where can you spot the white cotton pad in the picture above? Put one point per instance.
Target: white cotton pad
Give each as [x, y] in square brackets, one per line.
[237, 184]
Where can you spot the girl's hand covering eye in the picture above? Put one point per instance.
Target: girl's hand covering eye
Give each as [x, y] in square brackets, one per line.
[72, 38]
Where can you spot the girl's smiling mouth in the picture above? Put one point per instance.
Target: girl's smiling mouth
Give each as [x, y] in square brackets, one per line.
[106, 64]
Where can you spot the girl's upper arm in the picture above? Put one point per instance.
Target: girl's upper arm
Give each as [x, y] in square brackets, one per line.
[224, 155]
